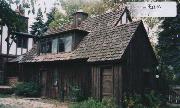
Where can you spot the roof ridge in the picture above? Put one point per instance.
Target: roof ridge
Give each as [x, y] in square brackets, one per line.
[112, 11]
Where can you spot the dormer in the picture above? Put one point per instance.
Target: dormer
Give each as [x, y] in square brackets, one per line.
[63, 42]
[66, 39]
[124, 18]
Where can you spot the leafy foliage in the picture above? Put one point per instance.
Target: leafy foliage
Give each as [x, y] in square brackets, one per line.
[148, 100]
[9, 17]
[92, 103]
[168, 47]
[59, 19]
[27, 89]
[75, 93]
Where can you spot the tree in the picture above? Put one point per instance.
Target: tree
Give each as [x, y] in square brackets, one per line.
[9, 17]
[59, 19]
[38, 27]
[169, 41]
[70, 7]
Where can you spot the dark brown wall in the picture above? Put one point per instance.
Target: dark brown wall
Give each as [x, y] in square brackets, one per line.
[78, 73]
[139, 56]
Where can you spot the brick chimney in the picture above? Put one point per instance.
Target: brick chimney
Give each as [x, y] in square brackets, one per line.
[78, 17]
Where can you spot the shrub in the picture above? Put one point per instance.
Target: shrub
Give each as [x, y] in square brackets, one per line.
[7, 91]
[92, 103]
[76, 94]
[109, 102]
[149, 100]
[27, 89]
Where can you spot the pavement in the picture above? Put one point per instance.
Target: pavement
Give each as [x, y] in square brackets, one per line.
[12, 102]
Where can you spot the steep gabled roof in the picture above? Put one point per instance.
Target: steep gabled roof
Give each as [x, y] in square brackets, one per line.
[110, 19]
[104, 42]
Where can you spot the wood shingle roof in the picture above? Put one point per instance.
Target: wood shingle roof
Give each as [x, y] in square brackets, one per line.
[104, 42]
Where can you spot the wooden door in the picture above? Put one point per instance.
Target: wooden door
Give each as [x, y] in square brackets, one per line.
[107, 82]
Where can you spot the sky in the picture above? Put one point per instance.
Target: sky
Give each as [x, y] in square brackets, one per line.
[44, 5]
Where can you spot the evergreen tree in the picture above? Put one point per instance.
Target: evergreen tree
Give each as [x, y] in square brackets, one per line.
[38, 27]
[169, 44]
[50, 18]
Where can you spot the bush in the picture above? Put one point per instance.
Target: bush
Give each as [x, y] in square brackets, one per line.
[76, 94]
[109, 102]
[7, 91]
[92, 103]
[27, 89]
[149, 100]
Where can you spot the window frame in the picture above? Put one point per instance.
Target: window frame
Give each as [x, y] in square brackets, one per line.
[22, 42]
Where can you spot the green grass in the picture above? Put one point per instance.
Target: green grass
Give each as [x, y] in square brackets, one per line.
[4, 96]
[6, 106]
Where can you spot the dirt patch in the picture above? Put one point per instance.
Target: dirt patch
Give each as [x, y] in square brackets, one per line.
[26, 103]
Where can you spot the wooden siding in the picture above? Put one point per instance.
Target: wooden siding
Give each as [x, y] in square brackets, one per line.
[68, 75]
[97, 84]
[139, 56]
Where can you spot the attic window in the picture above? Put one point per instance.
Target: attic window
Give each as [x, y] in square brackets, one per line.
[46, 46]
[61, 46]
[124, 19]
[43, 47]
[55, 45]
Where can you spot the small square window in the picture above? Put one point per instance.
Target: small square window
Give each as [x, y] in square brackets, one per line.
[22, 42]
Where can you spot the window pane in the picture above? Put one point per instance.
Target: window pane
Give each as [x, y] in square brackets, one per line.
[124, 18]
[19, 42]
[68, 43]
[22, 42]
[43, 47]
[55, 77]
[49, 47]
[61, 45]
[54, 45]
[25, 41]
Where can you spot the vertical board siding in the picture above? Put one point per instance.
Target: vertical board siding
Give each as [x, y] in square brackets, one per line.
[97, 84]
[69, 75]
[138, 56]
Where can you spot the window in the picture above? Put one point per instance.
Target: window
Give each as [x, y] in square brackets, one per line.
[46, 46]
[124, 18]
[61, 46]
[22, 42]
[54, 45]
[49, 47]
[55, 77]
[65, 44]
[43, 47]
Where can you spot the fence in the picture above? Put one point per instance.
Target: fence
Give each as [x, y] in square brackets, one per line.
[174, 94]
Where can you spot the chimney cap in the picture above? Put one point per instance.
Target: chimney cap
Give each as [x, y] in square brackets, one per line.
[81, 12]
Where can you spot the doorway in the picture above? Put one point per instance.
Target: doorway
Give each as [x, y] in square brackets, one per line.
[107, 82]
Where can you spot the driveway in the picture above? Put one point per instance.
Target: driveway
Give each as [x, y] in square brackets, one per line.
[12, 102]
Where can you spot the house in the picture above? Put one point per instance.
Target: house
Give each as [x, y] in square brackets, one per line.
[13, 44]
[106, 56]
